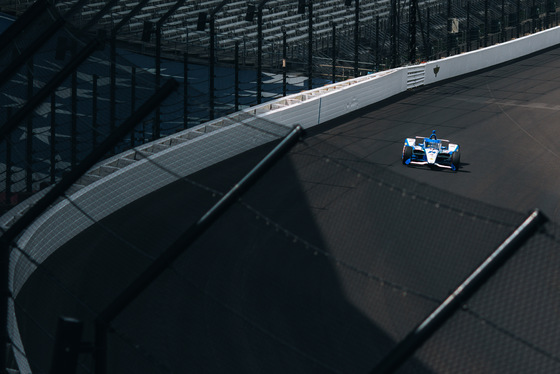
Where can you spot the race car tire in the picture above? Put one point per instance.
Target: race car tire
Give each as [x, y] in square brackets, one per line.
[456, 160]
[407, 153]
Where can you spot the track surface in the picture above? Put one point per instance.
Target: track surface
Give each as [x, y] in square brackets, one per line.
[275, 306]
[505, 120]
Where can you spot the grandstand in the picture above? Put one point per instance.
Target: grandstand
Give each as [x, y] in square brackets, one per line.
[179, 32]
[83, 78]
[231, 21]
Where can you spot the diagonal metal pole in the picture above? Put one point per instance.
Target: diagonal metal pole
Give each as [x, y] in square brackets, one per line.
[95, 20]
[182, 244]
[33, 47]
[417, 337]
[47, 89]
[58, 190]
[97, 153]
[38, 8]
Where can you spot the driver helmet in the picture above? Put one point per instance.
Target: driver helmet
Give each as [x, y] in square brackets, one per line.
[433, 136]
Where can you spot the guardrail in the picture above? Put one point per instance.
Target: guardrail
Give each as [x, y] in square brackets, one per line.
[126, 177]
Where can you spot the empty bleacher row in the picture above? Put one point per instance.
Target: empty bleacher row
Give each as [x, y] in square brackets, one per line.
[230, 22]
[181, 31]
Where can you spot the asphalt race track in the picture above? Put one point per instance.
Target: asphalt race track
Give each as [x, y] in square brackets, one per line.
[337, 253]
[505, 121]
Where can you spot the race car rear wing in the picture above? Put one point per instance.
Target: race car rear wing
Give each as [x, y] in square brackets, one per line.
[427, 137]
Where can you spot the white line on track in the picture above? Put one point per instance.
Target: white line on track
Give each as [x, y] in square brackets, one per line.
[500, 105]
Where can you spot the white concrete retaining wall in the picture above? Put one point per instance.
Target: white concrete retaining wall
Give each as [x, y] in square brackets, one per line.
[469, 62]
[217, 140]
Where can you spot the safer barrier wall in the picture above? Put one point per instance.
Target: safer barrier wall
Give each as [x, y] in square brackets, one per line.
[457, 65]
[228, 138]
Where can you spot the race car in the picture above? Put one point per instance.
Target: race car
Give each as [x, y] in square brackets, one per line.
[431, 151]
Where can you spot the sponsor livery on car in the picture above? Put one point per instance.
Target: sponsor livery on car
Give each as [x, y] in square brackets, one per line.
[431, 151]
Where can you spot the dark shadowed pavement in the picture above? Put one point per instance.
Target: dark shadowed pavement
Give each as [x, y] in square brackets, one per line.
[336, 253]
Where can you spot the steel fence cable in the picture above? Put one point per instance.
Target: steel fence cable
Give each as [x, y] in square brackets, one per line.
[413, 195]
[511, 335]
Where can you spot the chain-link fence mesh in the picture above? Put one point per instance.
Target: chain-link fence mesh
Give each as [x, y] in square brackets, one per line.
[509, 325]
[110, 86]
[326, 263]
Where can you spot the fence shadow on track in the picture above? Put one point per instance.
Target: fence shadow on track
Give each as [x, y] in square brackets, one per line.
[323, 266]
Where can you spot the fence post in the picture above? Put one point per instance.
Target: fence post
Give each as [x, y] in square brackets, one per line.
[67, 346]
[186, 90]
[356, 37]
[74, 120]
[333, 51]
[236, 103]
[9, 163]
[47, 89]
[104, 319]
[310, 46]
[56, 191]
[284, 62]
[412, 31]
[52, 166]
[417, 337]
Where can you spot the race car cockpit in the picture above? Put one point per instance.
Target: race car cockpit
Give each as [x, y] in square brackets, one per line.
[432, 144]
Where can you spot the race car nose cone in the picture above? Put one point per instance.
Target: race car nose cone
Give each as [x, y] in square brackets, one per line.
[431, 156]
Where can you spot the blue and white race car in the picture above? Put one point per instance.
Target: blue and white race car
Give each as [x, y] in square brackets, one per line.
[431, 151]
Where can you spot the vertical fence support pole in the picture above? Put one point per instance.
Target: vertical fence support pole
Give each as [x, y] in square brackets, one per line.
[518, 15]
[8, 196]
[157, 122]
[486, 23]
[503, 23]
[186, 90]
[113, 82]
[333, 52]
[74, 121]
[211, 73]
[236, 78]
[55, 192]
[377, 43]
[417, 337]
[284, 62]
[67, 346]
[412, 31]
[94, 124]
[8, 193]
[449, 26]
[259, 53]
[428, 39]
[310, 47]
[468, 26]
[356, 38]
[52, 166]
[29, 133]
[393, 16]
[133, 102]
